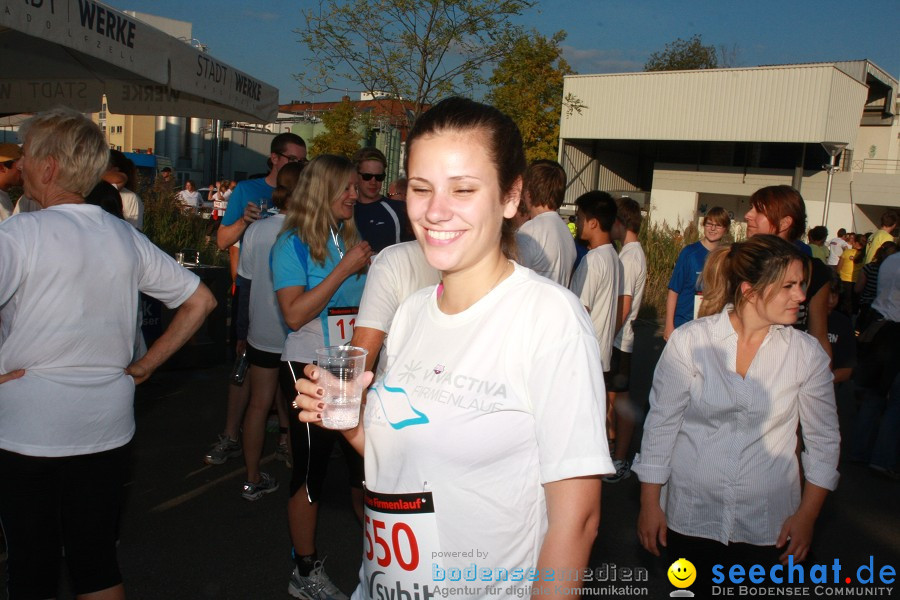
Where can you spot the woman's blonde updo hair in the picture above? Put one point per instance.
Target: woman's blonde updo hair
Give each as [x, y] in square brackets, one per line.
[761, 261]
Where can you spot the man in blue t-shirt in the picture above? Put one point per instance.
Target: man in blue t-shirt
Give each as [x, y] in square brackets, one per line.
[243, 209]
[381, 221]
[243, 204]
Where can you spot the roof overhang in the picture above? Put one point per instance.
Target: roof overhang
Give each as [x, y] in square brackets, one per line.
[71, 52]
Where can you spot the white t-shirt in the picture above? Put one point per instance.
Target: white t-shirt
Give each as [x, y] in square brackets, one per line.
[190, 199]
[598, 282]
[481, 409]
[836, 247]
[25, 204]
[220, 203]
[6, 206]
[69, 282]
[546, 246]
[132, 208]
[396, 272]
[634, 278]
[267, 327]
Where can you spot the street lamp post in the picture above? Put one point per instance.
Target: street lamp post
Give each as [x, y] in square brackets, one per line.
[833, 149]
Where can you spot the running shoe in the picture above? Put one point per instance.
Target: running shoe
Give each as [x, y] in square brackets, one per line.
[283, 454]
[255, 491]
[317, 586]
[623, 471]
[222, 450]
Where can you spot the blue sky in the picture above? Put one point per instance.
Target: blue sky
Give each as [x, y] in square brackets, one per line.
[604, 36]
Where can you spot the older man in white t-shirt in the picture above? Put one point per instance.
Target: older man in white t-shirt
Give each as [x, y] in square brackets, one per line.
[545, 243]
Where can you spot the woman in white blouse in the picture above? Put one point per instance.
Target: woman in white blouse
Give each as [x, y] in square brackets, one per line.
[189, 196]
[718, 462]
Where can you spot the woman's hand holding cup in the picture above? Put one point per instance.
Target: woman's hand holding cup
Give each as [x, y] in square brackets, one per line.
[310, 400]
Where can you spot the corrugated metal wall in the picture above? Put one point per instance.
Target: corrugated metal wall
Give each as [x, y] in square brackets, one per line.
[766, 104]
[847, 100]
[617, 172]
[580, 167]
[611, 170]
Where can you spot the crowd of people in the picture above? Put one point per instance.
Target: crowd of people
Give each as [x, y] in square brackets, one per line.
[499, 341]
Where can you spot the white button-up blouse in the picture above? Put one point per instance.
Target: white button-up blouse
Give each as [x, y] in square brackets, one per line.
[725, 445]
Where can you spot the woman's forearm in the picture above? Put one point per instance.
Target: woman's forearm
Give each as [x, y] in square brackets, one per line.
[812, 500]
[573, 510]
[299, 305]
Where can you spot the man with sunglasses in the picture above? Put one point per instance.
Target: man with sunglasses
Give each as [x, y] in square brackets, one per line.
[381, 221]
[243, 204]
[10, 175]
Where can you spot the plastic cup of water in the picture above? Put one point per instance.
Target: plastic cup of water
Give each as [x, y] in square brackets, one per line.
[263, 208]
[342, 368]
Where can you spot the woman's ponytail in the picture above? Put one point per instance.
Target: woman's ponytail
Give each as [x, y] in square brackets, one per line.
[716, 282]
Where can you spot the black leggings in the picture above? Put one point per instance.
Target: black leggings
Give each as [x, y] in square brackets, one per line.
[69, 503]
[311, 445]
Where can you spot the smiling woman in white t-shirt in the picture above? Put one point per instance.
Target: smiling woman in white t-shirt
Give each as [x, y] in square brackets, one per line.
[483, 437]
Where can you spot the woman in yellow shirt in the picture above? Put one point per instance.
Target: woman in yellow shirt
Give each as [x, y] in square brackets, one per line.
[849, 267]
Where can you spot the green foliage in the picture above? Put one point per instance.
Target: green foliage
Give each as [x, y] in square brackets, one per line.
[342, 135]
[527, 84]
[172, 229]
[418, 50]
[683, 55]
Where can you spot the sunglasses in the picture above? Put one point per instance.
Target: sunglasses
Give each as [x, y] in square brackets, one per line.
[369, 176]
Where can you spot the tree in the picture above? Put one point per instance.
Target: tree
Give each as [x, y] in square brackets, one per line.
[418, 50]
[342, 135]
[728, 57]
[527, 84]
[683, 55]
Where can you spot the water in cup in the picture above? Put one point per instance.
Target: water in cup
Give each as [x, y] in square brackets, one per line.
[342, 368]
[263, 208]
[340, 415]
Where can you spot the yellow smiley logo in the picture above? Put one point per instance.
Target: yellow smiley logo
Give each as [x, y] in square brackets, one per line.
[682, 573]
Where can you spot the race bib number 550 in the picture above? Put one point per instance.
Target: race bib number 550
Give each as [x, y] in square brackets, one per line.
[400, 536]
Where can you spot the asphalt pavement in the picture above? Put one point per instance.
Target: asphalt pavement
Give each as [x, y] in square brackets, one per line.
[186, 533]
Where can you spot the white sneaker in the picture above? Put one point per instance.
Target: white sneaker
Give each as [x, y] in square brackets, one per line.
[317, 586]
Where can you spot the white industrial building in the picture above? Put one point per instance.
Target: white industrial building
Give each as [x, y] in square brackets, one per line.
[685, 141]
